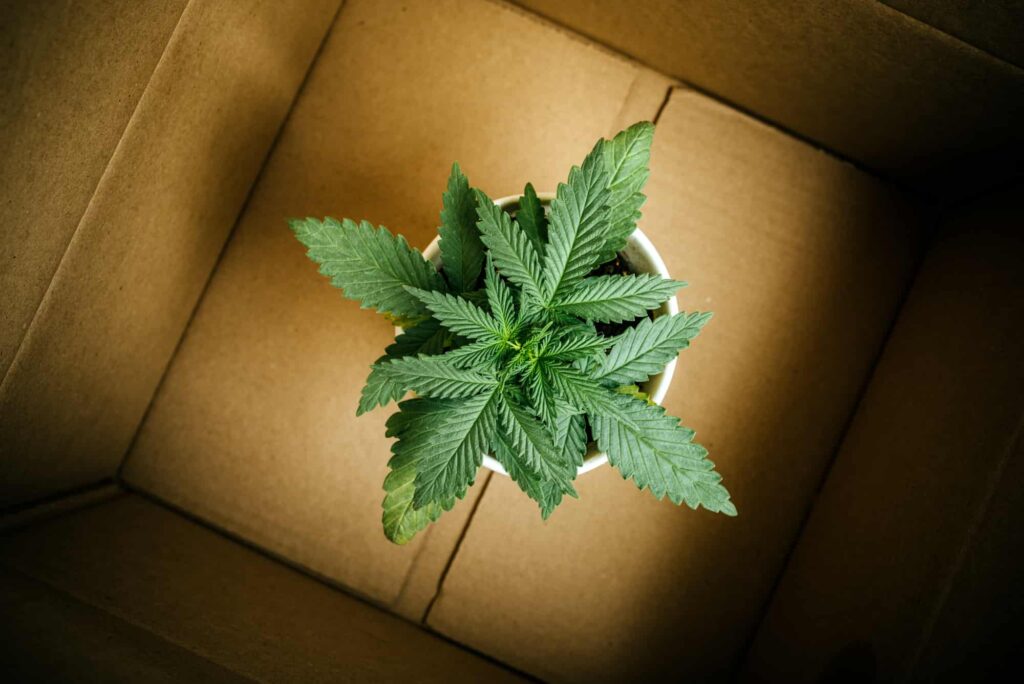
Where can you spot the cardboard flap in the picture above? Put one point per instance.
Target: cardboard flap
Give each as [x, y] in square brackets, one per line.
[804, 260]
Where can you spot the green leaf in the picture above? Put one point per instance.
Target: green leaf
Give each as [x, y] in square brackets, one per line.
[655, 452]
[432, 376]
[528, 453]
[644, 350]
[527, 435]
[454, 449]
[401, 519]
[626, 157]
[427, 337]
[509, 246]
[582, 393]
[501, 300]
[616, 298]
[369, 264]
[462, 253]
[578, 226]
[482, 353]
[576, 347]
[532, 220]
[460, 316]
[571, 436]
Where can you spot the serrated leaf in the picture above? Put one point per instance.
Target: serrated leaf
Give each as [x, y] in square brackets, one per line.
[644, 350]
[532, 220]
[571, 437]
[528, 453]
[400, 518]
[656, 453]
[626, 157]
[582, 393]
[454, 449]
[509, 246]
[479, 354]
[427, 337]
[577, 226]
[616, 298]
[527, 435]
[369, 264]
[576, 347]
[500, 299]
[433, 376]
[462, 253]
[459, 315]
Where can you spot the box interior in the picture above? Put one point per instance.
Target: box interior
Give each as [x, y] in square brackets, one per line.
[182, 469]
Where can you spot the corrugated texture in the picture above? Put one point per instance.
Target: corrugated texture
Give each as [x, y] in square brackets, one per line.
[904, 508]
[195, 591]
[803, 259]
[71, 75]
[855, 76]
[254, 428]
[117, 306]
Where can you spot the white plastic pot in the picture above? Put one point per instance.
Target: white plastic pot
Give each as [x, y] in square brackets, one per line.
[642, 257]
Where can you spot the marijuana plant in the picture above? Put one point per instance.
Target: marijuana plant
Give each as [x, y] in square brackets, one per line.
[502, 347]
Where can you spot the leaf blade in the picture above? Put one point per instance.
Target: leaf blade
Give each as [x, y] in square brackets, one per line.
[509, 246]
[616, 298]
[577, 226]
[626, 158]
[645, 349]
[368, 264]
[658, 454]
[462, 252]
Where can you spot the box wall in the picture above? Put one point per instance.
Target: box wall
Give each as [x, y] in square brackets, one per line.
[903, 530]
[854, 76]
[116, 307]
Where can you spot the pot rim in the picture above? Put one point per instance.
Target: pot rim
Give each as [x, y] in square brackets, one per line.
[656, 387]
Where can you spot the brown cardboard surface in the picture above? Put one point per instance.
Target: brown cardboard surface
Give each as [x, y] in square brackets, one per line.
[49, 636]
[991, 25]
[254, 428]
[915, 476]
[142, 252]
[857, 77]
[194, 590]
[804, 260]
[71, 76]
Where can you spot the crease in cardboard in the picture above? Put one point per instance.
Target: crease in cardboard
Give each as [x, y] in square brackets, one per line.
[227, 240]
[956, 566]
[455, 550]
[30, 328]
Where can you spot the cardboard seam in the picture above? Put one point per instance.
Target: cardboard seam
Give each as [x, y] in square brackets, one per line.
[957, 565]
[16, 357]
[951, 38]
[119, 475]
[568, 32]
[455, 551]
[58, 505]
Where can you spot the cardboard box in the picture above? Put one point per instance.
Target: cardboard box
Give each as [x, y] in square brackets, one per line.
[836, 182]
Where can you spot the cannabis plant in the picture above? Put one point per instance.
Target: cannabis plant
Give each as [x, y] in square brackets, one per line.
[509, 346]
